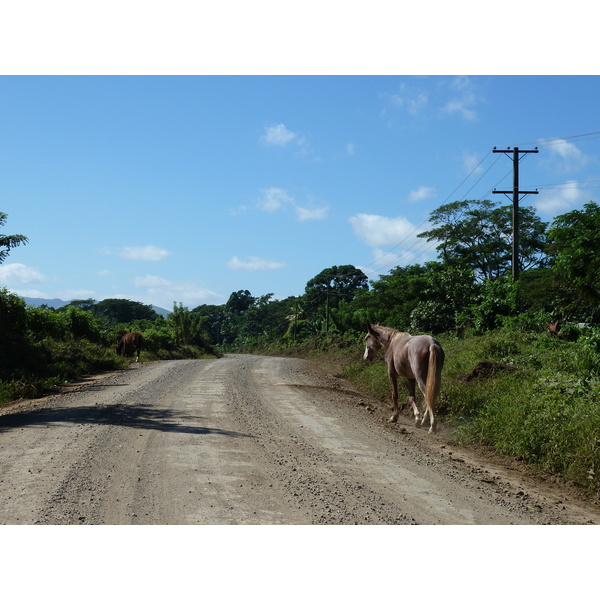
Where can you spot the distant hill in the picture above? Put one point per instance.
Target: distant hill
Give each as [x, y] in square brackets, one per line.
[54, 303]
[57, 303]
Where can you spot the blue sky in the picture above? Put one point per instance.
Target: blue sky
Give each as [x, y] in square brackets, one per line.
[165, 189]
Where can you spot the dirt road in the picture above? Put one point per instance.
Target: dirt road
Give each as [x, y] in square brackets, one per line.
[249, 440]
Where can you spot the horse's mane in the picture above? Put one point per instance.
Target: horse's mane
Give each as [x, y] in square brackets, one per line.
[388, 332]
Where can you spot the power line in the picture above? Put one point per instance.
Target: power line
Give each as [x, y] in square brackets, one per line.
[568, 183]
[425, 221]
[515, 193]
[561, 140]
[426, 246]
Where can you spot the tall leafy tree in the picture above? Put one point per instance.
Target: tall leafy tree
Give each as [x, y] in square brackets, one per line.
[335, 283]
[188, 326]
[576, 252]
[8, 242]
[393, 297]
[478, 234]
[239, 302]
[328, 289]
[215, 318]
[118, 310]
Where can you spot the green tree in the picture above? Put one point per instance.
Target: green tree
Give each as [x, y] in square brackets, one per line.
[13, 314]
[117, 310]
[239, 302]
[187, 327]
[215, 318]
[575, 249]
[326, 290]
[248, 319]
[394, 296]
[8, 242]
[448, 290]
[497, 299]
[478, 234]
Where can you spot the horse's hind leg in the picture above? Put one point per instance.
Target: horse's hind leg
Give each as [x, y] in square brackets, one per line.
[394, 384]
[428, 412]
[410, 383]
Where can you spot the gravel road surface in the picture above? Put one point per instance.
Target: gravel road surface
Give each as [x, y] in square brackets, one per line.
[250, 440]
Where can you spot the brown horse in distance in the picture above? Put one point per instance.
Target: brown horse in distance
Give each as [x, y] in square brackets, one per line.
[131, 342]
[418, 357]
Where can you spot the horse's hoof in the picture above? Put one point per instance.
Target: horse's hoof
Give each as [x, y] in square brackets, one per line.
[417, 424]
[392, 419]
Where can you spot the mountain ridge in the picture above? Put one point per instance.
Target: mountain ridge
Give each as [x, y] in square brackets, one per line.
[58, 303]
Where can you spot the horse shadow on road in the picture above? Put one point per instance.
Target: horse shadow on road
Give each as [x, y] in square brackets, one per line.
[138, 416]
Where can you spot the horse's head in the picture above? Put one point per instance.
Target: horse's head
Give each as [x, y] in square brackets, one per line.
[372, 344]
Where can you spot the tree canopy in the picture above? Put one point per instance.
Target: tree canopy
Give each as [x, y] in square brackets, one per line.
[8, 242]
[576, 252]
[335, 283]
[478, 234]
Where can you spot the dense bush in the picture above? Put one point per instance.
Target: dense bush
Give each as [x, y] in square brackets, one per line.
[41, 348]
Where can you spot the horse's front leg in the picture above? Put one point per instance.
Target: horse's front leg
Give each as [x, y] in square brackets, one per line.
[394, 383]
[410, 384]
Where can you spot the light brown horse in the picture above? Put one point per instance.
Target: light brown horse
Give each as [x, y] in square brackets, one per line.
[418, 357]
[131, 342]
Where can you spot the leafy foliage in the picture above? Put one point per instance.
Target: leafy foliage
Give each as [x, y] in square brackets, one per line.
[576, 252]
[477, 234]
[8, 242]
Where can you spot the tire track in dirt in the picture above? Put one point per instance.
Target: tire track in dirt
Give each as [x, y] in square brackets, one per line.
[246, 440]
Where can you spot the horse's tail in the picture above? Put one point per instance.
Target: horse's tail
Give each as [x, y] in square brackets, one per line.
[434, 381]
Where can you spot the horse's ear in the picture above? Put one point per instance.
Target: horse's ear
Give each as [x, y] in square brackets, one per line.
[370, 329]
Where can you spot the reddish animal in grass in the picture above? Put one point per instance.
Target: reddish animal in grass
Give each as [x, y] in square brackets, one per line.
[418, 358]
[129, 344]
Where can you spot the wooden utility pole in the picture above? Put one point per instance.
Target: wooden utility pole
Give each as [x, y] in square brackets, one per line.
[515, 201]
[327, 312]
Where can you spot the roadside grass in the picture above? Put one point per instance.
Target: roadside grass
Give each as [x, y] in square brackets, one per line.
[30, 368]
[527, 395]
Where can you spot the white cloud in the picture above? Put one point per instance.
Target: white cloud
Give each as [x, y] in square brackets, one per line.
[408, 98]
[254, 263]
[423, 193]
[471, 163]
[384, 261]
[163, 293]
[447, 96]
[553, 202]
[566, 157]
[279, 135]
[32, 293]
[20, 274]
[311, 214]
[378, 231]
[461, 106]
[350, 149]
[151, 281]
[464, 98]
[149, 253]
[240, 210]
[272, 199]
